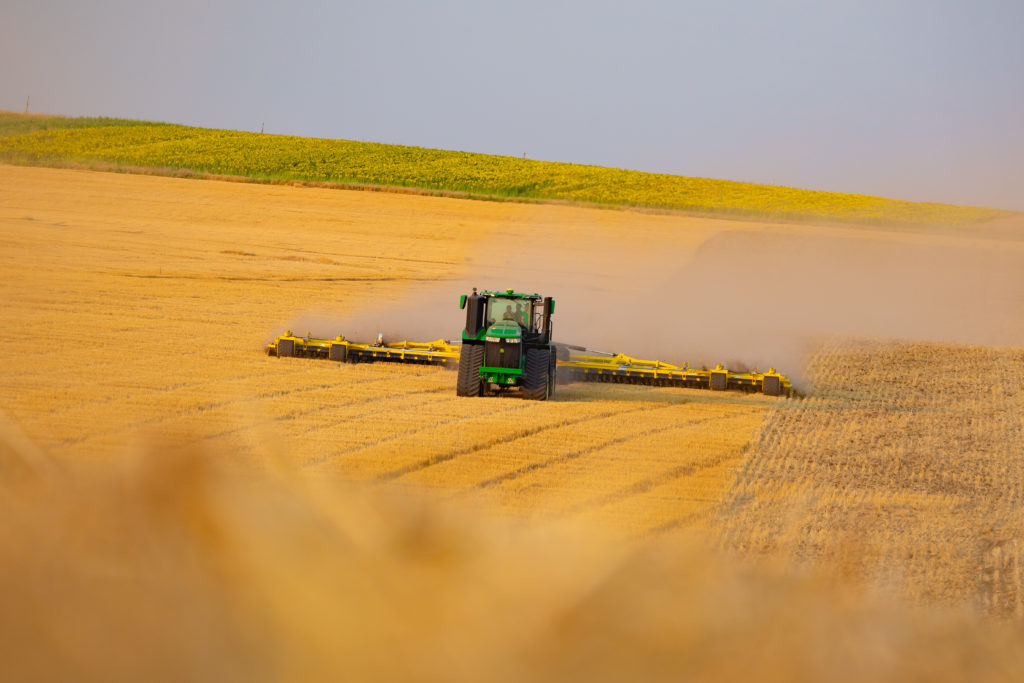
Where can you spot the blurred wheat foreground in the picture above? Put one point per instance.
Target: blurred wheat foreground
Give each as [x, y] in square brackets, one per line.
[177, 505]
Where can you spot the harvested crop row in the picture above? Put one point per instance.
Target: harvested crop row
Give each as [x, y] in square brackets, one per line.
[905, 468]
[129, 319]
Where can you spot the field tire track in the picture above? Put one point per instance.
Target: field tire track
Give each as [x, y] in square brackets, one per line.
[674, 524]
[532, 431]
[199, 409]
[322, 408]
[645, 485]
[639, 486]
[394, 437]
[44, 373]
[156, 392]
[305, 412]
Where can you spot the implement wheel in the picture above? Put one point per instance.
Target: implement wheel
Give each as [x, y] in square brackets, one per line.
[719, 381]
[471, 359]
[285, 348]
[537, 374]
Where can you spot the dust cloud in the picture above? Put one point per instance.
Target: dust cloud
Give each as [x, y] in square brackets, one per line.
[759, 299]
[744, 297]
[426, 312]
[767, 297]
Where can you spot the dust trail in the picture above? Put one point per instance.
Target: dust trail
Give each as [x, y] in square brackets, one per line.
[426, 311]
[745, 298]
[758, 298]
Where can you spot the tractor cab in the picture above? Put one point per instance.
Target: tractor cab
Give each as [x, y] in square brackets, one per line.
[508, 313]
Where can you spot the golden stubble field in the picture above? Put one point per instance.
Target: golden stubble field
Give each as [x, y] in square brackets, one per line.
[160, 472]
[137, 309]
[905, 470]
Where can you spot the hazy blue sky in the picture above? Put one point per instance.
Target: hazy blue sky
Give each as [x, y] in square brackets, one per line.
[915, 99]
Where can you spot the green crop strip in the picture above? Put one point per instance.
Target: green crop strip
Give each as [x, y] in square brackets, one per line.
[171, 149]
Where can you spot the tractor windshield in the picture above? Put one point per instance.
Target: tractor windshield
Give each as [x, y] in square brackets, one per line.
[503, 308]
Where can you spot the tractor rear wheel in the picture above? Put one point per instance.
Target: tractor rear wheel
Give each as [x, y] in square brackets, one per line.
[536, 374]
[471, 359]
[552, 373]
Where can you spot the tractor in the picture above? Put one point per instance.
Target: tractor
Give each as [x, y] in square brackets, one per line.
[506, 345]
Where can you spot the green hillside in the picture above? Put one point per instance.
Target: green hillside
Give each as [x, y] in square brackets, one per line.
[141, 146]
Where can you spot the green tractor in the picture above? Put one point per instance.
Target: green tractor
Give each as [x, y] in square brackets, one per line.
[507, 345]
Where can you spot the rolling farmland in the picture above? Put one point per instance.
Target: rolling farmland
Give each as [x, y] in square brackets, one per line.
[139, 146]
[318, 518]
[152, 325]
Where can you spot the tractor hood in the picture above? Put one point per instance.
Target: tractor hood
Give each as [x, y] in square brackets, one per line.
[506, 329]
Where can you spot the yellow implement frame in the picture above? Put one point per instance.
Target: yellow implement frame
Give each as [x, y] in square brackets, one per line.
[574, 364]
[439, 352]
[623, 369]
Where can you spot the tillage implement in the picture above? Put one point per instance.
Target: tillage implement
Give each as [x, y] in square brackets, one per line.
[507, 347]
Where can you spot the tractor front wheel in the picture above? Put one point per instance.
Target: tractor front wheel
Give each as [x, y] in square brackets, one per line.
[536, 374]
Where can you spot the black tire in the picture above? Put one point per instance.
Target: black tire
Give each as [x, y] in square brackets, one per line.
[719, 381]
[285, 348]
[552, 374]
[471, 359]
[537, 375]
[771, 386]
[338, 352]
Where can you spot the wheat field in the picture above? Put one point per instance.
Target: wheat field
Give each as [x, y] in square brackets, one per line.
[935, 513]
[178, 505]
[138, 309]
